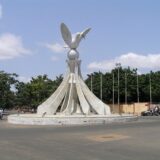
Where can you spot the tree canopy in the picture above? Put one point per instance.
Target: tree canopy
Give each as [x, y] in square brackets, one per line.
[15, 93]
[129, 83]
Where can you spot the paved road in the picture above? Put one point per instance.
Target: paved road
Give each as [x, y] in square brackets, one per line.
[130, 141]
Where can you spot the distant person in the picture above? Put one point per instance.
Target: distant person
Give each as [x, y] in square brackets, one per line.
[1, 114]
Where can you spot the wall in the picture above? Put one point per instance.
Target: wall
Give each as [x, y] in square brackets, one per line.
[134, 108]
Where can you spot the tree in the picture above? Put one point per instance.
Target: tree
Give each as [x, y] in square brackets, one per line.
[7, 96]
[31, 94]
[131, 79]
[36, 91]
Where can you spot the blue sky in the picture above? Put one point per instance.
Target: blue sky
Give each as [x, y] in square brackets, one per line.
[122, 31]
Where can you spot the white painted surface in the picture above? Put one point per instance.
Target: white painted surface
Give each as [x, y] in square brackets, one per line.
[72, 41]
[34, 119]
[73, 96]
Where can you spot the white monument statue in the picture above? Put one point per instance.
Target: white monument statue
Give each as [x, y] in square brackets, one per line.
[73, 96]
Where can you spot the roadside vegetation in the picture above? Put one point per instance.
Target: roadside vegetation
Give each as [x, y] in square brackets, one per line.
[17, 94]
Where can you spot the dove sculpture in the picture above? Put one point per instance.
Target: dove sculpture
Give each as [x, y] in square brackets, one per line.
[73, 97]
[72, 41]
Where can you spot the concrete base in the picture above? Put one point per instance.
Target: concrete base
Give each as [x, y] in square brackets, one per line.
[34, 119]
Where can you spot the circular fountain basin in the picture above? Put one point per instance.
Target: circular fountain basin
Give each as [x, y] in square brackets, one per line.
[35, 119]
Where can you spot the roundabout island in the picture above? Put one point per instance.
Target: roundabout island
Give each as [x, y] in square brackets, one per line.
[34, 119]
[72, 103]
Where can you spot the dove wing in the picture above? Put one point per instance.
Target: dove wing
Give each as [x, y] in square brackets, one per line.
[66, 34]
[85, 32]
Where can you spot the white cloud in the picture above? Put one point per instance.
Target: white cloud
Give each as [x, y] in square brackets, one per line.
[134, 60]
[0, 11]
[23, 79]
[55, 47]
[11, 46]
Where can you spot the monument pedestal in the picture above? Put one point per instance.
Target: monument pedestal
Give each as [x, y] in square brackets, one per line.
[59, 120]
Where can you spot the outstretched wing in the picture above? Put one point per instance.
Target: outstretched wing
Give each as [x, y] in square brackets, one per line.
[66, 34]
[83, 34]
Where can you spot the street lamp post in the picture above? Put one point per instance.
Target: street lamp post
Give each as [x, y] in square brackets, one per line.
[91, 83]
[118, 66]
[150, 90]
[113, 92]
[101, 94]
[137, 88]
[125, 88]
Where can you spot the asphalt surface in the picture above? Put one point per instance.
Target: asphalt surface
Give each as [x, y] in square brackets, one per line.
[138, 140]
